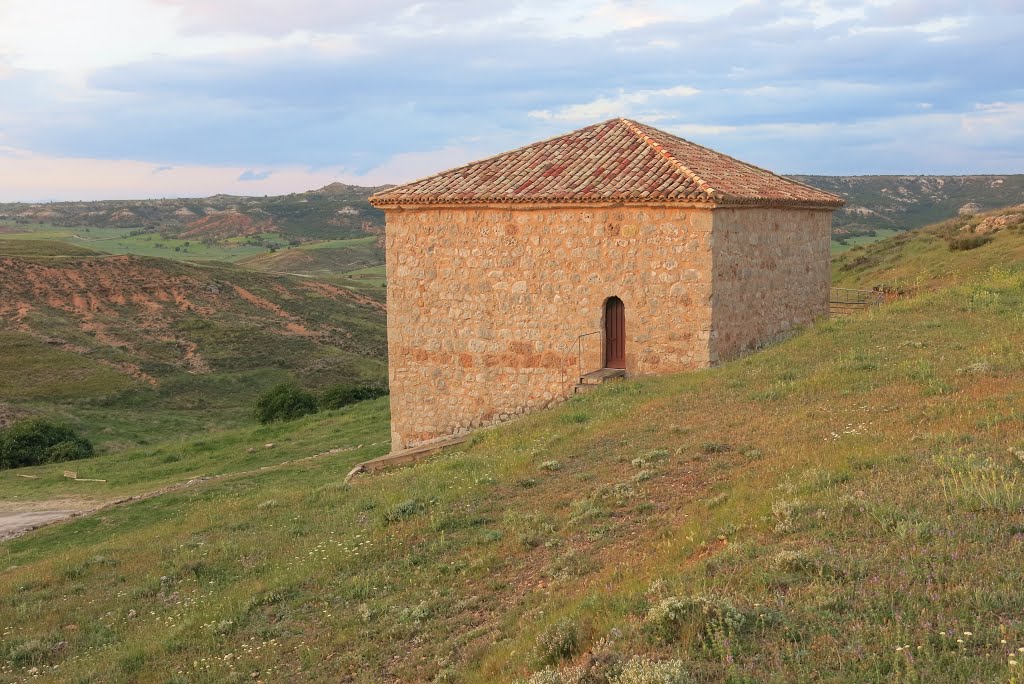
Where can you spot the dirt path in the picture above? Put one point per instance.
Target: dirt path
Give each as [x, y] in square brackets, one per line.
[15, 524]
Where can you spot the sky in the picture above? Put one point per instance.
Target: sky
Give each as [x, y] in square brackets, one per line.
[116, 99]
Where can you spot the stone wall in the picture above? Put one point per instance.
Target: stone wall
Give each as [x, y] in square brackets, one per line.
[484, 304]
[771, 274]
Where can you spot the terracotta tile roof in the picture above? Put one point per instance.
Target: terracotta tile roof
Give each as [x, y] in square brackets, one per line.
[618, 160]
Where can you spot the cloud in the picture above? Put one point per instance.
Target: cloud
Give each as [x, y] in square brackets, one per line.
[622, 104]
[250, 175]
[391, 89]
[27, 176]
[550, 18]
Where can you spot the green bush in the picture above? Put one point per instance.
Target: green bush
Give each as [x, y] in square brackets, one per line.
[962, 244]
[343, 394]
[284, 402]
[34, 442]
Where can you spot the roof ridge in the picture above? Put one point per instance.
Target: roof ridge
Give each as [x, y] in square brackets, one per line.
[634, 127]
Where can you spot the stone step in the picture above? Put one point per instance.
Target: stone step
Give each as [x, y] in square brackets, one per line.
[602, 376]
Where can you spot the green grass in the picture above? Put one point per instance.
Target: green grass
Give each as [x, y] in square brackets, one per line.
[923, 258]
[371, 280]
[41, 248]
[328, 257]
[33, 370]
[843, 506]
[862, 240]
[216, 453]
[89, 240]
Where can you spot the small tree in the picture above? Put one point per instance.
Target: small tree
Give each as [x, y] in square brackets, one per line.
[285, 401]
[343, 394]
[37, 441]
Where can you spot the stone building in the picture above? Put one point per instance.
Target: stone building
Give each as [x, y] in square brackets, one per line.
[615, 246]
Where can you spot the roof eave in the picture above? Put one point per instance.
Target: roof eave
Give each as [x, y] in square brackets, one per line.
[539, 203]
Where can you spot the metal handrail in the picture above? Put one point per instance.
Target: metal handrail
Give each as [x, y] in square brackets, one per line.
[579, 359]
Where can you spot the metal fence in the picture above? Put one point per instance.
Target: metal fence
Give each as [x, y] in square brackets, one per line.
[844, 301]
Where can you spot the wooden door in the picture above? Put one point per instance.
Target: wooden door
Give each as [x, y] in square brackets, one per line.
[614, 333]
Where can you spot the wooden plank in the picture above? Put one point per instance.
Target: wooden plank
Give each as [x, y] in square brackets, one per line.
[403, 457]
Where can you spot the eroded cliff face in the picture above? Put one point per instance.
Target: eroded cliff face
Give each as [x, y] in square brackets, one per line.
[153, 312]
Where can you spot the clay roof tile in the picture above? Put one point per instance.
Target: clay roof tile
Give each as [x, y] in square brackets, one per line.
[615, 160]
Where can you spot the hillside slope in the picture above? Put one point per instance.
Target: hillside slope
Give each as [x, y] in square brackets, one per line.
[908, 202]
[941, 254]
[845, 506]
[88, 338]
[327, 258]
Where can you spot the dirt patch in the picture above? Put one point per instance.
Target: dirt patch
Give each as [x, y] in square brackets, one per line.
[228, 224]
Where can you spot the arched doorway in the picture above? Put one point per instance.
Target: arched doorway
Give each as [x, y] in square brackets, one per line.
[614, 333]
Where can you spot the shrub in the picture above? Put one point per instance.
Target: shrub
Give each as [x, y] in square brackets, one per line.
[706, 614]
[642, 670]
[34, 442]
[343, 394]
[403, 510]
[559, 641]
[284, 402]
[962, 244]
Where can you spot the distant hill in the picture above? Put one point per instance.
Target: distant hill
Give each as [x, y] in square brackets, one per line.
[334, 211]
[906, 202]
[234, 228]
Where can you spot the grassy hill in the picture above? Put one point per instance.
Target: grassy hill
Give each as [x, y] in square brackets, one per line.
[326, 258]
[942, 254]
[44, 248]
[876, 204]
[133, 349]
[845, 506]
